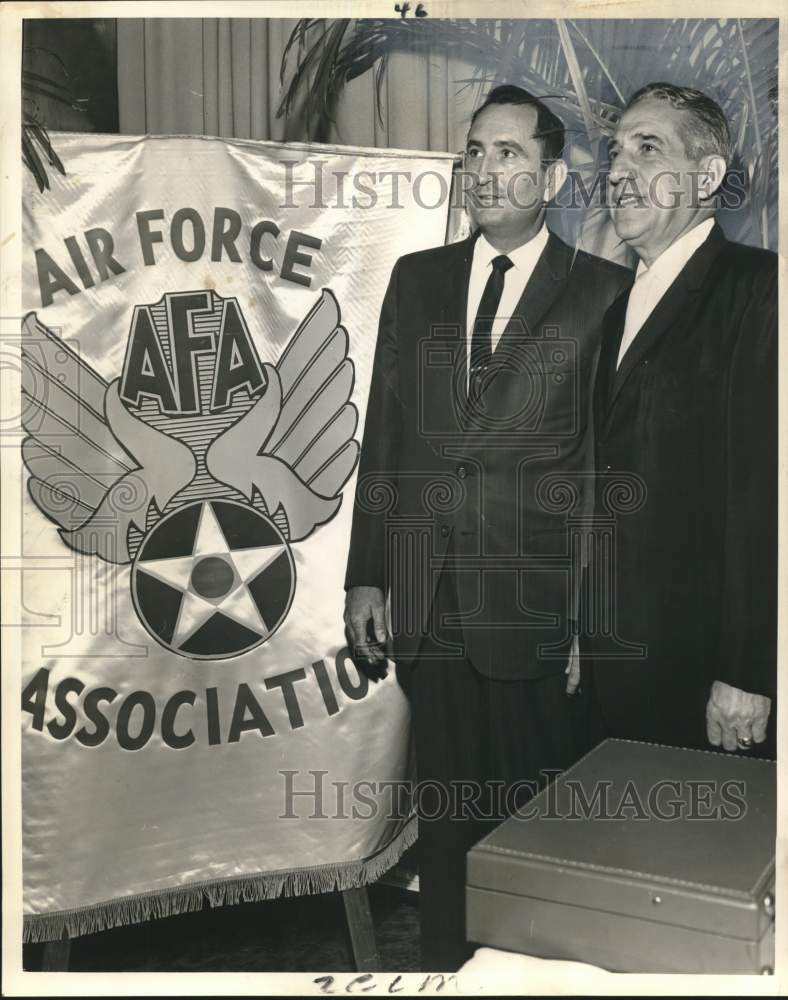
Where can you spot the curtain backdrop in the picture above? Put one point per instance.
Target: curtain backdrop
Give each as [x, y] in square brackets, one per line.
[220, 76]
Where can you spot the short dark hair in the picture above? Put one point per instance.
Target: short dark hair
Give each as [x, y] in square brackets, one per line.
[549, 127]
[705, 130]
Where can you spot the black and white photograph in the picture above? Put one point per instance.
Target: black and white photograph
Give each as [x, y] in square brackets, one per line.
[391, 499]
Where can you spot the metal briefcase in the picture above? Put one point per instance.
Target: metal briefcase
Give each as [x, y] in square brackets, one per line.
[640, 858]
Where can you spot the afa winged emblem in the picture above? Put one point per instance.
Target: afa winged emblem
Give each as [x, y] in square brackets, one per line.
[200, 466]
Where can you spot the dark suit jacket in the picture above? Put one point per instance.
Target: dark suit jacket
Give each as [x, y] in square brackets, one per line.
[692, 412]
[435, 482]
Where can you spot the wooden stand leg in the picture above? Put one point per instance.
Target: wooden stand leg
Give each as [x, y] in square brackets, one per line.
[362, 933]
[56, 955]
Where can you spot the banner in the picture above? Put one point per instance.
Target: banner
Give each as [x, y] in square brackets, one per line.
[196, 357]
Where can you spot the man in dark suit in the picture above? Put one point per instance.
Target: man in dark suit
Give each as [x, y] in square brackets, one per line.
[479, 389]
[685, 409]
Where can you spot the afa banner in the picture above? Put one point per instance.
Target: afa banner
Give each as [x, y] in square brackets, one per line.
[196, 355]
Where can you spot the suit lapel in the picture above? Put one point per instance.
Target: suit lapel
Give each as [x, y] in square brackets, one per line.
[613, 331]
[669, 308]
[543, 287]
[448, 308]
[455, 289]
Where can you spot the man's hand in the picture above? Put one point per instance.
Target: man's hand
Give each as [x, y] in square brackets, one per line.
[362, 605]
[733, 715]
[573, 667]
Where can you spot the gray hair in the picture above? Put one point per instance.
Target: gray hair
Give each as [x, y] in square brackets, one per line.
[705, 130]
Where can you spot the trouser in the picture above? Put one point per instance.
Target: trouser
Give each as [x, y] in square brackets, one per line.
[483, 747]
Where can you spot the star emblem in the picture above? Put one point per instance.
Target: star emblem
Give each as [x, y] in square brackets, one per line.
[213, 579]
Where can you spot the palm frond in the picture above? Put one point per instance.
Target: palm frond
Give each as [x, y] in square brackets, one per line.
[53, 95]
[600, 61]
[28, 76]
[39, 133]
[316, 70]
[33, 161]
[34, 133]
[577, 80]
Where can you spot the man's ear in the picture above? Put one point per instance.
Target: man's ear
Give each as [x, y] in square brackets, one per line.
[555, 175]
[712, 173]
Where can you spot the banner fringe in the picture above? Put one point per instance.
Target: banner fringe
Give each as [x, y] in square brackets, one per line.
[222, 892]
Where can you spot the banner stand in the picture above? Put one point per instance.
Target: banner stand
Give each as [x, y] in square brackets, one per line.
[357, 913]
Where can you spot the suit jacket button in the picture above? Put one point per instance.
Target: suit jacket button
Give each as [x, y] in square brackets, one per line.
[445, 531]
[462, 472]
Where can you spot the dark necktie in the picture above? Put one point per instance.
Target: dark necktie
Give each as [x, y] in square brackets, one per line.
[481, 339]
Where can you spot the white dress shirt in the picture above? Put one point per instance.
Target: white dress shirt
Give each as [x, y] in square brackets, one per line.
[651, 283]
[524, 259]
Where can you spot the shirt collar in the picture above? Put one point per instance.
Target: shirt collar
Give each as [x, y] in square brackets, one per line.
[522, 257]
[678, 253]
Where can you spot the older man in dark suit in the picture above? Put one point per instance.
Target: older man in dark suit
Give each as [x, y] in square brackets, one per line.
[685, 401]
[480, 389]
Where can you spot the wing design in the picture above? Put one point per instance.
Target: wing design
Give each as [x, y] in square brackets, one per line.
[295, 445]
[94, 467]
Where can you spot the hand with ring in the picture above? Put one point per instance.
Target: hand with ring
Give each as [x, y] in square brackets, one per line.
[736, 719]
